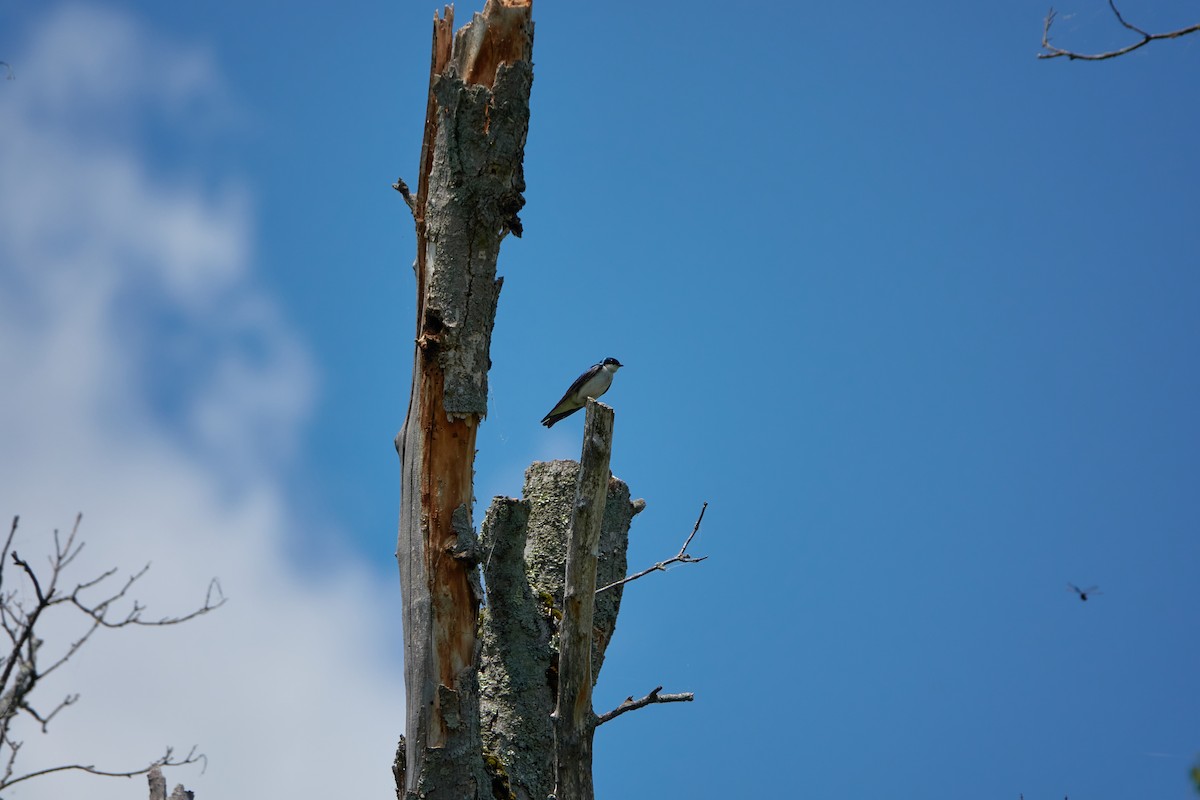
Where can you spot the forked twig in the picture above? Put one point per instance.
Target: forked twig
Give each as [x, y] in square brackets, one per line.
[1057, 52]
[681, 557]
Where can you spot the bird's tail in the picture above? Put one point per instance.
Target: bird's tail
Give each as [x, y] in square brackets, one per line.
[552, 418]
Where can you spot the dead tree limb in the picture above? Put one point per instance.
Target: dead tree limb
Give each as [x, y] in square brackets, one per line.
[402, 187]
[681, 557]
[654, 697]
[167, 760]
[1146, 38]
[469, 191]
[574, 720]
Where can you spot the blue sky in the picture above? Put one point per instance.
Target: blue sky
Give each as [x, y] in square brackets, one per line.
[914, 312]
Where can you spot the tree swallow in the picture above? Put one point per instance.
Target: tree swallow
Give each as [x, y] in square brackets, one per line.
[592, 383]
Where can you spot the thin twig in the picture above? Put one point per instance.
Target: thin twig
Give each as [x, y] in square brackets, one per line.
[1056, 52]
[79, 587]
[7, 544]
[681, 557]
[65, 554]
[654, 697]
[13, 749]
[99, 611]
[1120, 19]
[45, 721]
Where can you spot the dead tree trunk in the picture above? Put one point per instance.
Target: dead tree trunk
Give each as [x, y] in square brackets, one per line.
[468, 196]
[483, 685]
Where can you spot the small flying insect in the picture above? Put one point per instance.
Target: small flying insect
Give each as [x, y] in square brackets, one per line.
[1083, 593]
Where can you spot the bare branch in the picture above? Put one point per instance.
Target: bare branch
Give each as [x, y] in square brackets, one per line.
[1056, 52]
[37, 587]
[681, 557]
[1120, 19]
[7, 619]
[99, 611]
[27, 676]
[26, 631]
[20, 616]
[13, 749]
[70, 651]
[64, 553]
[45, 721]
[168, 760]
[79, 587]
[654, 697]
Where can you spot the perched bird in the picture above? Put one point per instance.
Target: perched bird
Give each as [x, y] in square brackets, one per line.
[1083, 593]
[592, 383]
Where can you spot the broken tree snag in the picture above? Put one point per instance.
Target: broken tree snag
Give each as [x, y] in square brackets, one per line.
[469, 190]
[524, 546]
[574, 720]
[158, 787]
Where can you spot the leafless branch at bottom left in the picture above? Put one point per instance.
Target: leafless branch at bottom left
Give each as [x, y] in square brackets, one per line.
[30, 655]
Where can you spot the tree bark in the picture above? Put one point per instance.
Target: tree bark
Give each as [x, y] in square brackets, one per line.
[574, 720]
[158, 787]
[469, 193]
[524, 546]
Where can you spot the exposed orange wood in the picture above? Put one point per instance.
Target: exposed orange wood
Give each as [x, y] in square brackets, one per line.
[503, 41]
[446, 485]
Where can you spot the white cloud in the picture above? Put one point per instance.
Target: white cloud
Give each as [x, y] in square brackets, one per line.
[291, 688]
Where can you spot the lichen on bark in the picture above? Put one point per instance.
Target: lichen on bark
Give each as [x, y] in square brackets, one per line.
[523, 548]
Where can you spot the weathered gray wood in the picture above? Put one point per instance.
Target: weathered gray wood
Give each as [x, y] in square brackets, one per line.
[524, 545]
[515, 632]
[158, 787]
[550, 491]
[158, 784]
[471, 179]
[574, 720]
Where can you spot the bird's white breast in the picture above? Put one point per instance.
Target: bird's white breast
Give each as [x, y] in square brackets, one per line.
[598, 384]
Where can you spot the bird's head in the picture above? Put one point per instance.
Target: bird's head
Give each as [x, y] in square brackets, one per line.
[611, 364]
